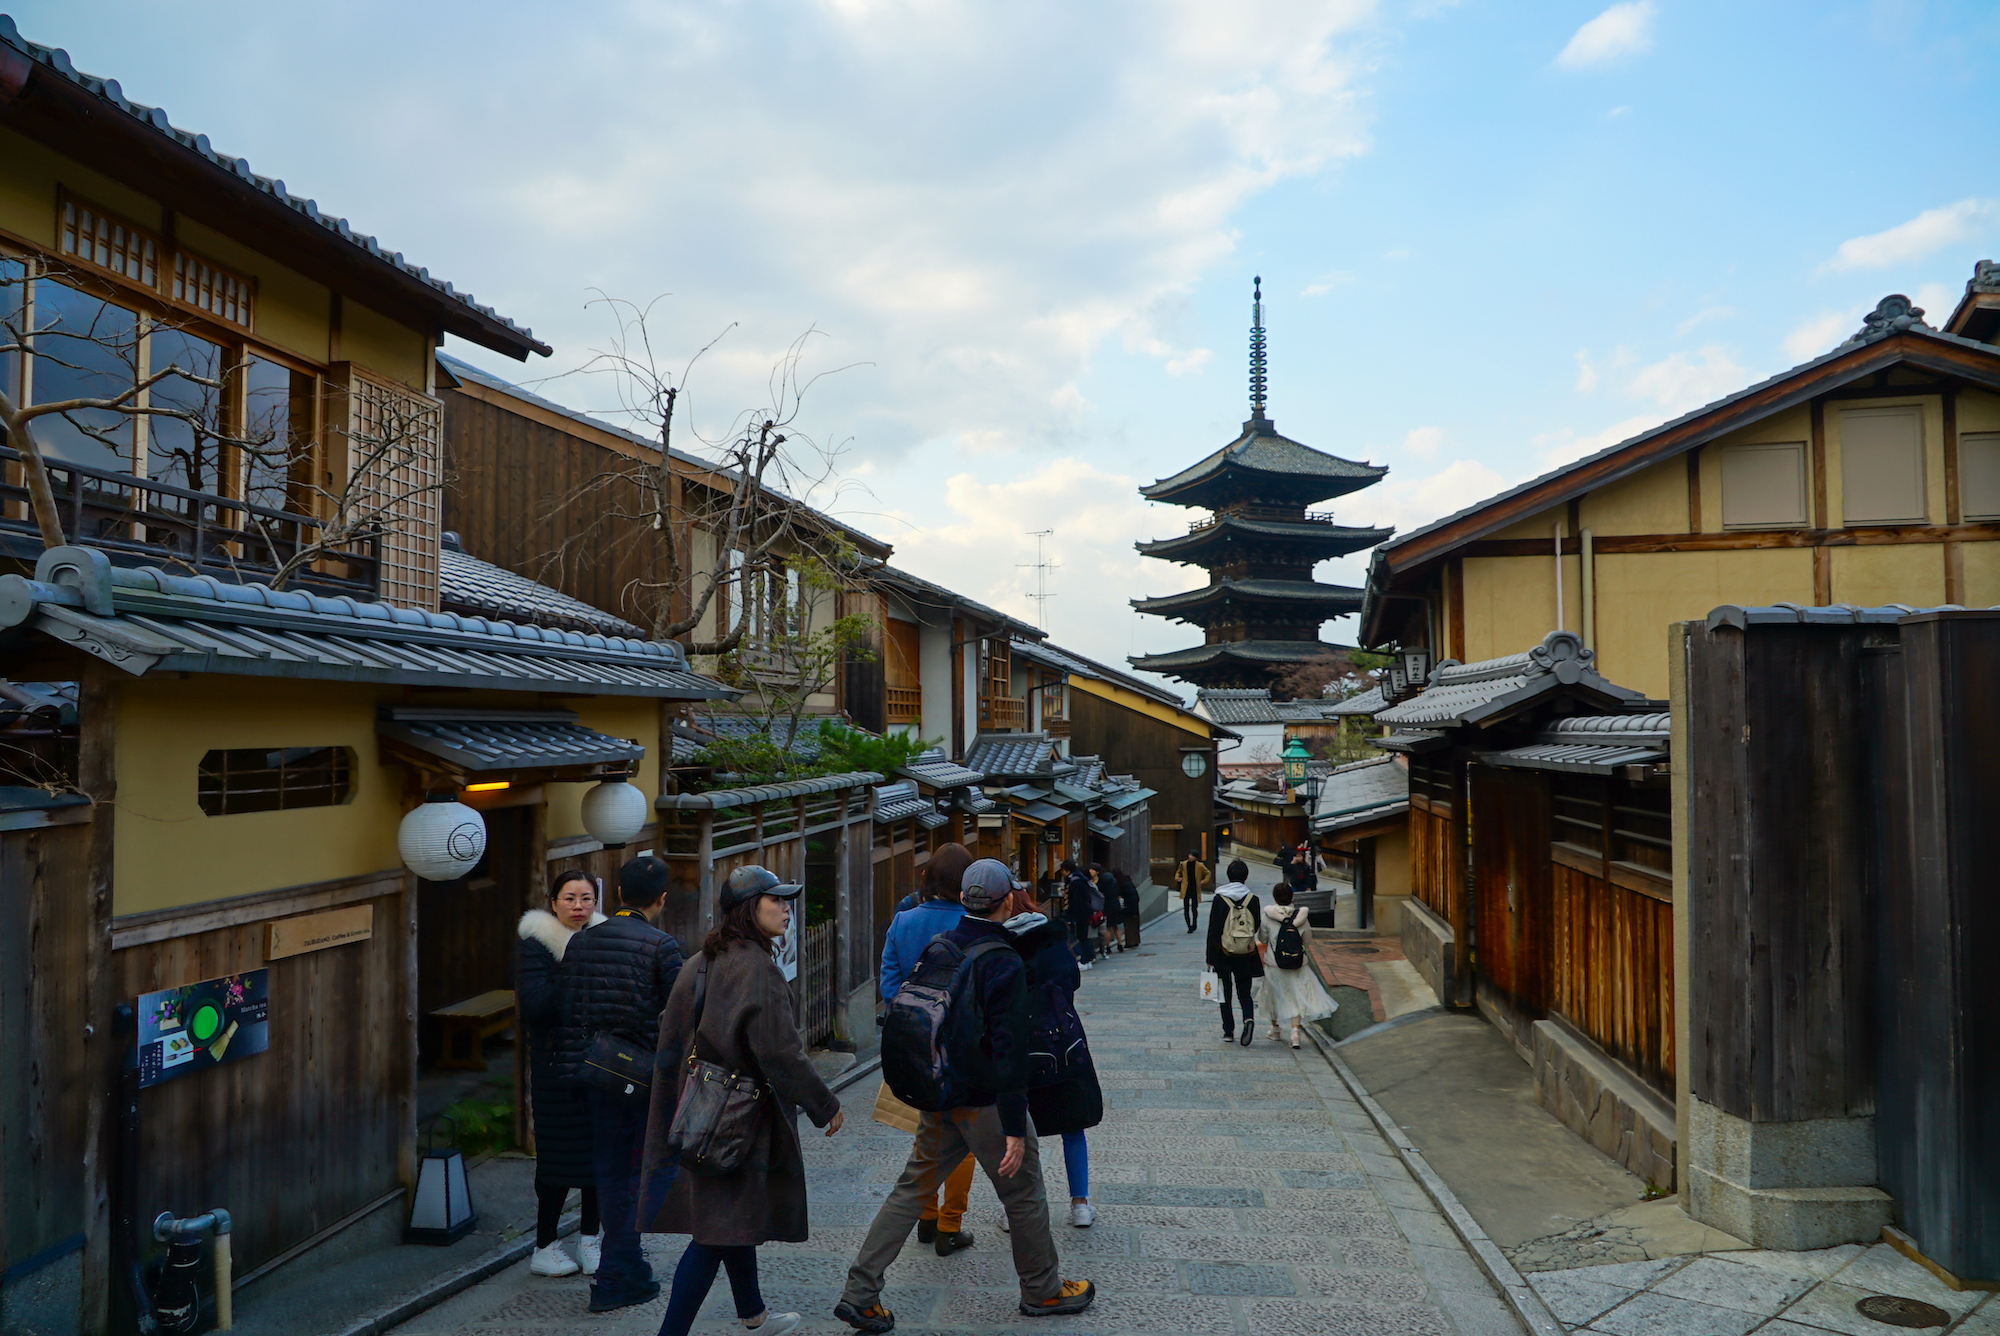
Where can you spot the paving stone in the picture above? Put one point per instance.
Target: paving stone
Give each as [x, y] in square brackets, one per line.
[1661, 1315]
[1575, 1298]
[1239, 1278]
[1177, 1195]
[1277, 1317]
[1376, 1286]
[1352, 1223]
[1449, 1269]
[1750, 1289]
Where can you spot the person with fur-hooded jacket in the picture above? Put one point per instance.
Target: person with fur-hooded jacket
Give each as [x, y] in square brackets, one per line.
[1074, 1104]
[562, 1115]
[1232, 947]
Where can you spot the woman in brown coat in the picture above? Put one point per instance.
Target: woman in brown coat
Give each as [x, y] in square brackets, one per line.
[745, 1022]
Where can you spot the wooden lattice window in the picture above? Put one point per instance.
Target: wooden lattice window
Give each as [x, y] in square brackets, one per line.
[209, 287]
[259, 779]
[395, 457]
[105, 241]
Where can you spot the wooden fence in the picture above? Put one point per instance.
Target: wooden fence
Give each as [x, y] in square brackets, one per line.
[816, 991]
[1612, 971]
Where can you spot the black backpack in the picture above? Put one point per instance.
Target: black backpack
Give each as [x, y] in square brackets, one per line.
[1056, 1044]
[933, 1056]
[1289, 950]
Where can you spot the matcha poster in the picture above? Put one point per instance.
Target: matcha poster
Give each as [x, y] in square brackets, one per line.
[201, 1025]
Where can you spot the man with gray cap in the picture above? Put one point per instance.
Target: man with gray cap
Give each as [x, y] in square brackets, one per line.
[992, 1127]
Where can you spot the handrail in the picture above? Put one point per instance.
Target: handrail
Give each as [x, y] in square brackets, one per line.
[1278, 514]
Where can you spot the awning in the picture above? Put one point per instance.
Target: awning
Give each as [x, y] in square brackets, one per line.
[1029, 792]
[1576, 758]
[1412, 741]
[1106, 829]
[495, 741]
[1046, 813]
[1125, 798]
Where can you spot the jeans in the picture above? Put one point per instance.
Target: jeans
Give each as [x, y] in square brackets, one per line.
[1076, 1163]
[1243, 981]
[618, 1136]
[696, 1275]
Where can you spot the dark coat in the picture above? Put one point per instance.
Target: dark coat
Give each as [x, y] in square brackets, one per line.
[749, 1024]
[617, 976]
[1077, 1101]
[1128, 893]
[562, 1117]
[1221, 961]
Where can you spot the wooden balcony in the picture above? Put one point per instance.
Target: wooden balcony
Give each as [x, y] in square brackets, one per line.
[1003, 714]
[904, 705]
[137, 521]
[1056, 728]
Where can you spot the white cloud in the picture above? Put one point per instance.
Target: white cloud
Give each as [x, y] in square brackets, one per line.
[1586, 372]
[1410, 502]
[1703, 317]
[1817, 334]
[1423, 442]
[1622, 30]
[1552, 449]
[1937, 301]
[1930, 230]
[1681, 381]
[1319, 287]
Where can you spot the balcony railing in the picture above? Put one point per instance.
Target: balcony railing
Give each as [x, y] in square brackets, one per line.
[188, 532]
[1279, 514]
[905, 705]
[1005, 713]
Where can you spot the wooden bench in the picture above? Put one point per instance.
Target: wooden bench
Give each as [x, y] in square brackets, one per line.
[466, 1026]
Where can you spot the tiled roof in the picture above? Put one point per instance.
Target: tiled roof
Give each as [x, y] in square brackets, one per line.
[1465, 693]
[1109, 830]
[1344, 597]
[1069, 661]
[1317, 709]
[915, 584]
[507, 740]
[1367, 703]
[1262, 450]
[939, 771]
[1365, 791]
[741, 727]
[1249, 651]
[1013, 756]
[1592, 744]
[41, 704]
[718, 799]
[1237, 705]
[478, 588]
[146, 620]
[900, 801]
[1311, 535]
[172, 140]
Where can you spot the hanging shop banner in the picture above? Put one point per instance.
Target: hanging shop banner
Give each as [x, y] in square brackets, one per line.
[202, 1025]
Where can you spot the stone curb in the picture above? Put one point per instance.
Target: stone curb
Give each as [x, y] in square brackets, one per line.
[454, 1282]
[1520, 1296]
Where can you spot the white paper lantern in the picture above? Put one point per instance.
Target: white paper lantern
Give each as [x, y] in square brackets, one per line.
[614, 812]
[442, 840]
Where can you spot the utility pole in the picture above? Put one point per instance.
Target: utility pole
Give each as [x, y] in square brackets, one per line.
[1041, 566]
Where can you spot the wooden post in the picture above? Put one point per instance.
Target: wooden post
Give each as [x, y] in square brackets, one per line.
[406, 1152]
[97, 714]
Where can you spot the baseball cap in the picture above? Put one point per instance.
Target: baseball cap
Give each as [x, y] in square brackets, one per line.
[750, 881]
[985, 884]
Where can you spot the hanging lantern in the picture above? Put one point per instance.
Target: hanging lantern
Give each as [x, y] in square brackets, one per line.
[614, 812]
[442, 840]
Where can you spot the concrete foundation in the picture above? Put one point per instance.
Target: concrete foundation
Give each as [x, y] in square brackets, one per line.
[1603, 1103]
[1790, 1186]
[1428, 943]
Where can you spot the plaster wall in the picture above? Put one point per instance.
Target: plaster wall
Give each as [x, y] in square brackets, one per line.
[1510, 603]
[633, 717]
[1870, 577]
[1654, 501]
[1982, 574]
[1639, 593]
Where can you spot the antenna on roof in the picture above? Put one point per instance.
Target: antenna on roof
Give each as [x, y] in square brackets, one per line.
[1041, 566]
[1257, 379]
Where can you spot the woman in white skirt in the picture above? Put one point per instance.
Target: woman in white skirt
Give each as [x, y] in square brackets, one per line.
[1289, 986]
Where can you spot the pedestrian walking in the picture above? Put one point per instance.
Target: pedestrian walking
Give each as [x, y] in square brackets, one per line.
[1232, 948]
[1078, 898]
[1073, 1102]
[1128, 905]
[1303, 873]
[561, 1107]
[943, 1222]
[1105, 888]
[1192, 877]
[1289, 988]
[991, 1126]
[618, 976]
[731, 1007]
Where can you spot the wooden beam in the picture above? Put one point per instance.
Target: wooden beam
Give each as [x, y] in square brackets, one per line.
[1455, 607]
[1819, 464]
[1694, 493]
[1952, 511]
[1745, 539]
[97, 775]
[1822, 576]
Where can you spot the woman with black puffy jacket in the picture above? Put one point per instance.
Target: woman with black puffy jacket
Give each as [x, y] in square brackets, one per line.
[1075, 1103]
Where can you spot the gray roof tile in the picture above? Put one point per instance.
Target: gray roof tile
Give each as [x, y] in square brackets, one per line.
[478, 588]
[1463, 693]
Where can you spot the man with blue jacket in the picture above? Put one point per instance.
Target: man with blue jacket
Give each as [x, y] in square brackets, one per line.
[911, 931]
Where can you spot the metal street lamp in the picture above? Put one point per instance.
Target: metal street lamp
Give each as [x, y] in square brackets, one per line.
[1297, 761]
[1417, 666]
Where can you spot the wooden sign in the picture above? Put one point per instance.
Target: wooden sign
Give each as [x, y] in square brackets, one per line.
[316, 932]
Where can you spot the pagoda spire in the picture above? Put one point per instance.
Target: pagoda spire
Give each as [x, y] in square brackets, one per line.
[1257, 376]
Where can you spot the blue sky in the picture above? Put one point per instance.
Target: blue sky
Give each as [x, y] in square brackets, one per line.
[1493, 236]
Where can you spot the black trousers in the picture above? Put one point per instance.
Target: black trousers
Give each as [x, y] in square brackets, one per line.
[1191, 910]
[1240, 978]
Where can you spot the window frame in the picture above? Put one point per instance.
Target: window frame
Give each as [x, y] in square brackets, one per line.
[1803, 458]
[342, 770]
[1912, 412]
[1968, 512]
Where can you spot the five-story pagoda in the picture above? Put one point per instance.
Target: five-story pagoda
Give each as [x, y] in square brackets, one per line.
[1261, 610]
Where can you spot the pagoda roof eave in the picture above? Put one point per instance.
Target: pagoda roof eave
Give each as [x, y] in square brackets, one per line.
[1260, 454]
[1288, 593]
[1318, 537]
[1260, 653]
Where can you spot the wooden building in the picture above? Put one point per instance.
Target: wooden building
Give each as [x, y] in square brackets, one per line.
[1540, 881]
[1261, 609]
[1869, 475]
[1835, 924]
[1362, 824]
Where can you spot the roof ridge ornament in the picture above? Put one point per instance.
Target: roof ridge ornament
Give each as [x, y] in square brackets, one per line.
[1259, 381]
[1985, 278]
[1562, 653]
[1892, 315]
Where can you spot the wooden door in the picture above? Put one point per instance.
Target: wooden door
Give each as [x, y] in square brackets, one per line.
[1510, 867]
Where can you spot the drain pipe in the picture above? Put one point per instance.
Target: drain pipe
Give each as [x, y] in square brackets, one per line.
[166, 1229]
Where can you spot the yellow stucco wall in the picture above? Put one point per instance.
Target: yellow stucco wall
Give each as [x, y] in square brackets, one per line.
[1982, 574]
[1640, 593]
[1510, 604]
[1978, 411]
[383, 346]
[1872, 576]
[169, 853]
[1653, 501]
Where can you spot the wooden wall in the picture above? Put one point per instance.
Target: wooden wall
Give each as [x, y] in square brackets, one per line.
[520, 488]
[1611, 971]
[298, 1137]
[45, 900]
[1434, 870]
[1510, 868]
[1149, 749]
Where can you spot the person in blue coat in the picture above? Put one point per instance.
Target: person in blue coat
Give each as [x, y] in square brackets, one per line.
[936, 911]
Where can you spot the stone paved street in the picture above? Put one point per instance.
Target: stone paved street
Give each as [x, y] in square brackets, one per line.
[1239, 1191]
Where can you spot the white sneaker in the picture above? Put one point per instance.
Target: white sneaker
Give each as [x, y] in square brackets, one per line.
[552, 1261]
[773, 1324]
[1005, 1228]
[1082, 1214]
[589, 1247]
[1084, 966]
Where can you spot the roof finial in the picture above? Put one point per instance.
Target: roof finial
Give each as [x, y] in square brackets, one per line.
[1257, 347]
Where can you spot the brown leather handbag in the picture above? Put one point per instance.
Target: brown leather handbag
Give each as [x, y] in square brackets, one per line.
[720, 1113]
